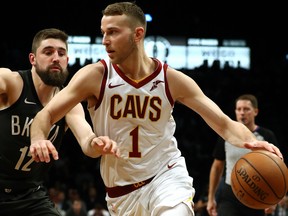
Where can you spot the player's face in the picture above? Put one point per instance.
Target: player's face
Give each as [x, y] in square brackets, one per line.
[118, 38]
[245, 112]
[51, 61]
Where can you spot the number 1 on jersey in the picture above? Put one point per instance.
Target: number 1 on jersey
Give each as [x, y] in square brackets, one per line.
[135, 144]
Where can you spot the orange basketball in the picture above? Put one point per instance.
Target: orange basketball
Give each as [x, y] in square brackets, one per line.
[259, 179]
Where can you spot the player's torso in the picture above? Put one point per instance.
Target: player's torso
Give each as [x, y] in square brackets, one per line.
[138, 116]
[15, 159]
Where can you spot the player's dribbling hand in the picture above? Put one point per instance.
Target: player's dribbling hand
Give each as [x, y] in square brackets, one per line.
[258, 145]
[104, 145]
[40, 151]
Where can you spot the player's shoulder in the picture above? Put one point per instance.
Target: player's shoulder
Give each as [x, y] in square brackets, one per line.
[172, 73]
[9, 76]
[5, 71]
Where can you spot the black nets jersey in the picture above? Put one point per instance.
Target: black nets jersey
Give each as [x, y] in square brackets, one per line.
[17, 168]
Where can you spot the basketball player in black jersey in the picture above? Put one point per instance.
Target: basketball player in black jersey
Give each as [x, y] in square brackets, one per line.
[22, 95]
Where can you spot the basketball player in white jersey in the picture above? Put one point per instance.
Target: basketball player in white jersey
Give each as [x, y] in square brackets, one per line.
[130, 99]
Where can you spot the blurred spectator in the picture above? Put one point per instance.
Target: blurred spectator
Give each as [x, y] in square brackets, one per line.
[77, 208]
[58, 197]
[72, 195]
[91, 197]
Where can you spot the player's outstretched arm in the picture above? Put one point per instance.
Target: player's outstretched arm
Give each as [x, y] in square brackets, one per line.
[230, 130]
[91, 145]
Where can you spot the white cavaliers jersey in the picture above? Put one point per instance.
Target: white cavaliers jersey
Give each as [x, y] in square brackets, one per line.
[138, 116]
